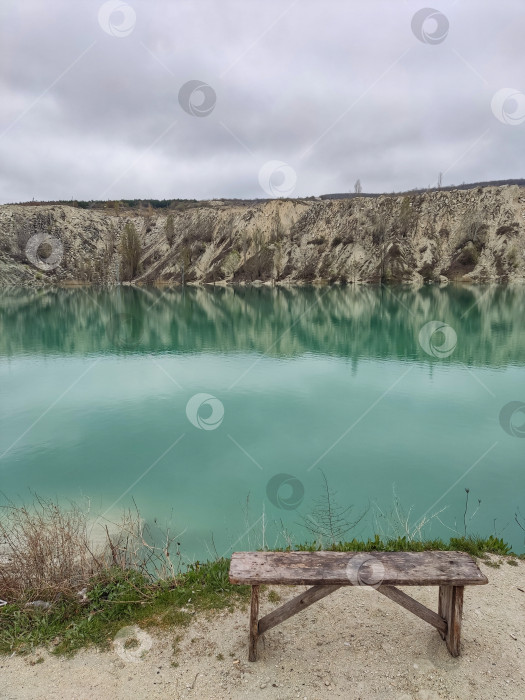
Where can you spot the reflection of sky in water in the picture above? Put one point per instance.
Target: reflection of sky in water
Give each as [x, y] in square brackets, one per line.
[394, 419]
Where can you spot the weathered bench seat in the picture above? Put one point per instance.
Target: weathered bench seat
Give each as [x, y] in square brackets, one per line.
[383, 571]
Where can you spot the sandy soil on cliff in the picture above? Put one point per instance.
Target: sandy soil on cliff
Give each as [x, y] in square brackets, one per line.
[355, 644]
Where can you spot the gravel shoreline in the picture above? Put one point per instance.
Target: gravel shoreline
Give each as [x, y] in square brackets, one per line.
[355, 644]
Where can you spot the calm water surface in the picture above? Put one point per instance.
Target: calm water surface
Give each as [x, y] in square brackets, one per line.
[96, 405]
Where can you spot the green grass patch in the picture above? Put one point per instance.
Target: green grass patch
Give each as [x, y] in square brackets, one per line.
[274, 597]
[473, 545]
[116, 598]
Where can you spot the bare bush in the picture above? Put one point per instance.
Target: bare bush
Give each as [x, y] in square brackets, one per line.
[131, 251]
[47, 551]
[399, 522]
[329, 521]
[170, 229]
[472, 228]
[132, 545]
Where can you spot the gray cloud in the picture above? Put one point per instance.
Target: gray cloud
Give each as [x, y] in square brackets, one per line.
[338, 90]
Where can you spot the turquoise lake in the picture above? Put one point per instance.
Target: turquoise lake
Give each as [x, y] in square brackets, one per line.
[215, 409]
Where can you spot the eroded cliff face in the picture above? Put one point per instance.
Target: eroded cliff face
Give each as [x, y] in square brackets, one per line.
[473, 235]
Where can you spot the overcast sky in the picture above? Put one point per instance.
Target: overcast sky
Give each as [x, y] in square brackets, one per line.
[299, 97]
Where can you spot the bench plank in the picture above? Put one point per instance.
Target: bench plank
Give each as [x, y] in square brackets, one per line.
[338, 569]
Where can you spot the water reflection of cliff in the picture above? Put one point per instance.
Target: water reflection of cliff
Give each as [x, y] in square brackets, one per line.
[350, 322]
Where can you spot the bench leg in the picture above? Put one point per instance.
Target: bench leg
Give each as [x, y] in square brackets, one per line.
[254, 624]
[451, 609]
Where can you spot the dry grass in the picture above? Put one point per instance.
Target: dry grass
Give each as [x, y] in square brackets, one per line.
[132, 545]
[47, 551]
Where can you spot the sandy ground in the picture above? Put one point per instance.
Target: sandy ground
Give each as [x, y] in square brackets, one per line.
[353, 644]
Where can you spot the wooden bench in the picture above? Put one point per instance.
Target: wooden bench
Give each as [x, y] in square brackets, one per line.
[383, 571]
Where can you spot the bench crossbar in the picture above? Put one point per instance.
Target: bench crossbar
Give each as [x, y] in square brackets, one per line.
[415, 607]
[292, 607]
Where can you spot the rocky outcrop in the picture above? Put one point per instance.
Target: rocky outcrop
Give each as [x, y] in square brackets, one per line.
[475, 235]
